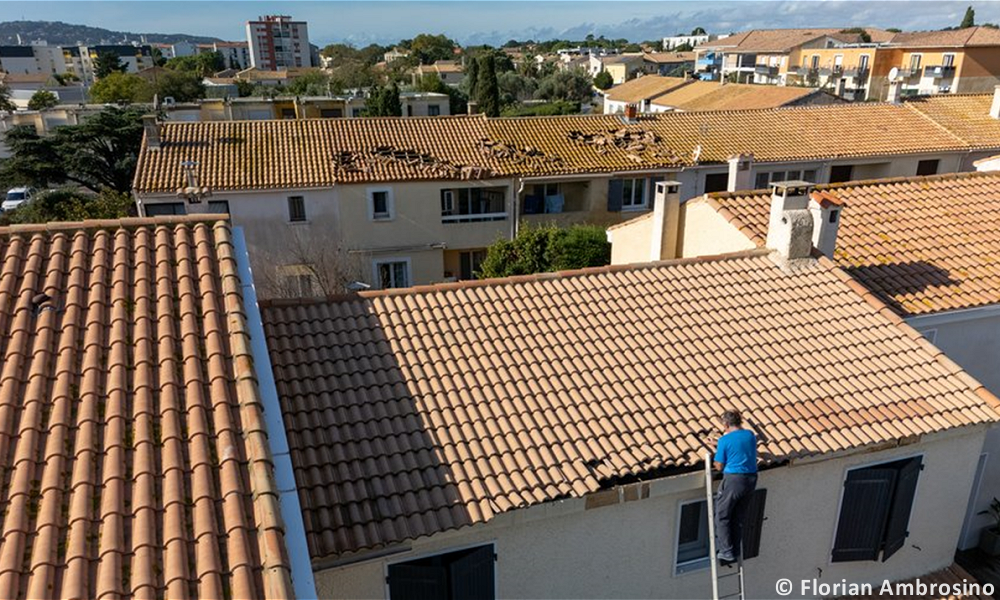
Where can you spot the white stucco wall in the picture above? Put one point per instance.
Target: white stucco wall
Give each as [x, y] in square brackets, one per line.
[626, 550]
[704, 232]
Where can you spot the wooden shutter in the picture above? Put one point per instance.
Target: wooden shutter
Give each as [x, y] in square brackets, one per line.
[863, 512]
[902, 502]
[472, 576]
[409, 581]
[615, 188]
[753, 523]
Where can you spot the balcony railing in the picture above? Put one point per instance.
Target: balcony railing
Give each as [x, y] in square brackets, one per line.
[939, 71]
[766, 70]
[470, 218]
[856, 73]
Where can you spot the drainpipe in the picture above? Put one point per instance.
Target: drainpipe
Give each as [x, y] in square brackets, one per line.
[515, 206]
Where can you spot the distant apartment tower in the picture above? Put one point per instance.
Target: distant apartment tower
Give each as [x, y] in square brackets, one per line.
[277, 42]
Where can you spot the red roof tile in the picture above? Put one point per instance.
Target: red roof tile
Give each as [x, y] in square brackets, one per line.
[417, 411]
[132, 441]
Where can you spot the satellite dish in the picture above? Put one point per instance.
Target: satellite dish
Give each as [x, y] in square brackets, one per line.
[893, 73]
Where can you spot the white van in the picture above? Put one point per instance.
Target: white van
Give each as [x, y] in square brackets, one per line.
[16, 197]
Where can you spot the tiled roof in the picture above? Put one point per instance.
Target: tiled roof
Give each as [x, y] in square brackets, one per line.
[644, 88]
[132, 444]
[971, 36]
[922, 244]
[710, 95]
[417, 411]
[668, 57]
[320, 152]
[965, 116]
[776, 40]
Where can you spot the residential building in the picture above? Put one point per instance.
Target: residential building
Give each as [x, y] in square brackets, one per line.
[668, 63]
[544, 436]
[621, 67]
[652, 93]
[76, 60]
[671, 42]
[277, 42]
[19, 59]
[235, 55]
[448, 71]
[920, 245]
[132, 58]
[431, 193]
[143, 459]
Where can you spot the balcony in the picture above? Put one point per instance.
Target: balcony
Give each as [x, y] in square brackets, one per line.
[766, 70]
[939, 71]
[859, 73]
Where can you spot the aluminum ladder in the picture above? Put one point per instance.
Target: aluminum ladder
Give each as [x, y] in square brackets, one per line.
[713, 560]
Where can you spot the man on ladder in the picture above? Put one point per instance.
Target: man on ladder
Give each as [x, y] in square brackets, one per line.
[736, 457]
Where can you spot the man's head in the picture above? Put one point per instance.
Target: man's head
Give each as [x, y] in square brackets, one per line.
[732, 418]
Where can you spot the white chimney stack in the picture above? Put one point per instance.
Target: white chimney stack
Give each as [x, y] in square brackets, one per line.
[790, 228]
[152, 129]
[825, 209]
[995, 106]
[893, 95]
[740, 172]
[666, 221]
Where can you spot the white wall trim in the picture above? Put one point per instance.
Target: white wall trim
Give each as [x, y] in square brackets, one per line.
[291, 512]
[377, 283]
[390, 203]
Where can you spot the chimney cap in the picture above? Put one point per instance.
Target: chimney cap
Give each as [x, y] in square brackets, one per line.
[792, 188]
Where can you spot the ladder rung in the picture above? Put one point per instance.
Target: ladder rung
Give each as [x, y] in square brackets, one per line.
[729, 575]
[733, 595]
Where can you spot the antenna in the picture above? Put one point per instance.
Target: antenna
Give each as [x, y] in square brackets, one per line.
[893, 73]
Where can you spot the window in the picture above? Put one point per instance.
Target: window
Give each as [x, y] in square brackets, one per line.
[840, 173]
[331, 113]
[914, 62]
[434, 110]
[380, 204]
[863, 63]
[470, 262]
[164, 208]
[462, 575]
[218, 207]
[815, 62]
[288, 113]
[810, 176]
[633, 193]
[392, 273]
[409, 110]
[875, 510]
[927, 167]
[692, 532]
[473, 204]
[296, 209]
[761, 181]
[716, 182]
[948, 60]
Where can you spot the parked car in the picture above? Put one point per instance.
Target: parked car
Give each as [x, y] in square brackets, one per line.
[16, 197]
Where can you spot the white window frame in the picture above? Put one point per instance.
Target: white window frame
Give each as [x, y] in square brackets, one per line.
[643, 185]
[448, 200]
[698, 564]
[840, 499]
[920, 61]
[390, 204]
[944, 59]
[378, 262]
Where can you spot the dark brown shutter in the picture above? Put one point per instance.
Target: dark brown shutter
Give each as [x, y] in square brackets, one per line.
[753, 523]
[899, 512]
[409, 581]
[472, 575]
[863, 512]
[615, 189]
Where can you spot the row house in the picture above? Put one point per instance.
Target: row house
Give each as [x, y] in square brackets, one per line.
[398, 202]
[74, 60]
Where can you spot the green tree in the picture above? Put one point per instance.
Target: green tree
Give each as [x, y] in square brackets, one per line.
[603, 80]
[205, 64]
[685, 47]
[107, 63]
[546, 249]
[488, 90]
[383, 101]
[572, 85]
[471, 81]
[180, 85]
[67, 204]
[432, 48]
[6, 104]
[99, 153]
[244, 88]
[515, 88]
[969, 20]
[313, 83]
[42, 99]
[121, 88]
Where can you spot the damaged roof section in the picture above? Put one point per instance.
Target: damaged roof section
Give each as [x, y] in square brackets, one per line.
[411, 412]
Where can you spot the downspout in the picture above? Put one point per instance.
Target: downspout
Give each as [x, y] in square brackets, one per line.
[291, 510]
[515, 206]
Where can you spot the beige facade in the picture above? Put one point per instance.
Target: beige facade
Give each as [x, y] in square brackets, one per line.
[600, 547]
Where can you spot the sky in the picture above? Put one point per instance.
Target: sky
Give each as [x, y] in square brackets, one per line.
[494, 22]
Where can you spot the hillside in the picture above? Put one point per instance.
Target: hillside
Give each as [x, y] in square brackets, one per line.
[58, 33]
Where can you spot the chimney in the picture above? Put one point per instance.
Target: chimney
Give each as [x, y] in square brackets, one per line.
[740, 172]
[825, 209]
[631, 113]
[473, 107]
[666, 221]
[152, 130]
[790, 229]
[893, 95]
[995, 106]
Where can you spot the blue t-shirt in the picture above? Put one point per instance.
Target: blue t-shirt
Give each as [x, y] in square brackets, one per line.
[738, 451]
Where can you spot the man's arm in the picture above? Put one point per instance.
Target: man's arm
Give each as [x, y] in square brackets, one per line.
[720, 454]
[719, 466]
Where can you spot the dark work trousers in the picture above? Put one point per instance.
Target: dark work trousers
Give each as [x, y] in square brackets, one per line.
[731, 503]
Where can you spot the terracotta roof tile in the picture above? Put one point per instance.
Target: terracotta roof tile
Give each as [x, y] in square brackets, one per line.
[780, 40]
[416, 411]
[320, 152]
[709, 95]
[131, 431]
[921, 244]
[970, 36]
[644, 88]
[965, 116]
